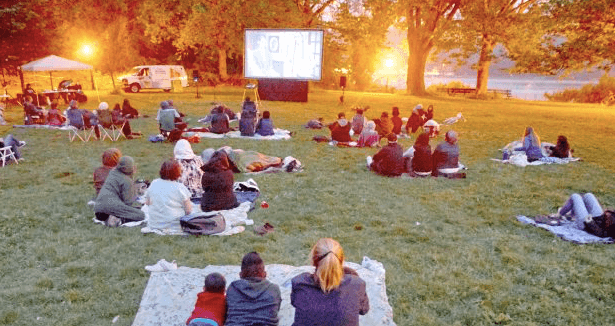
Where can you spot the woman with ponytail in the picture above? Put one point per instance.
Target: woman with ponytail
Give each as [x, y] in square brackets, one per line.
[334, 295]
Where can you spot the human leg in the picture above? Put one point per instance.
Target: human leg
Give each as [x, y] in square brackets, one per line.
[592, 205]
[575, 205]
[10, 140]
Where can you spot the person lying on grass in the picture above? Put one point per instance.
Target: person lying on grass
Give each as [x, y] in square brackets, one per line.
[210, 304]
[334, 295]
[389, 161]
[589, 215]
[110, 158]
[117, 195]
[253, 300]
[167, 199]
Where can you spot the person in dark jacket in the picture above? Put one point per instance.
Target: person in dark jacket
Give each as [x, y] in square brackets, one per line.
[265, 125]
[396, 120]
[446, 155]
[340, 129]
[128, 111]
[118, 194]
[217, 184]
[252, 300]
[416, 119]
[389, 161]
[562, 148]
[422, 162]
[334, 295]
[220, 123]
[249, 117]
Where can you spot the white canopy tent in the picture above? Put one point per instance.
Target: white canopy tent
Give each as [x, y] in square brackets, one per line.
[54, 63]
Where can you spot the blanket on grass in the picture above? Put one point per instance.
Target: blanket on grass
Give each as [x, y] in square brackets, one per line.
[169, 297]
[519, 158]
[567, 231]
[279, 134]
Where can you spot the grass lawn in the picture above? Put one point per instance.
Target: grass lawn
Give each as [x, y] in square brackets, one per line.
[453, 251]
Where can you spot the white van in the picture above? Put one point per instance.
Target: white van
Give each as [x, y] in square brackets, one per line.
[154, 77]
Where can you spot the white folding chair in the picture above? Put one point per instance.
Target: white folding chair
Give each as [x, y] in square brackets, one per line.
[118, 131]
[83, 134]
[6, 155]
[104, 134]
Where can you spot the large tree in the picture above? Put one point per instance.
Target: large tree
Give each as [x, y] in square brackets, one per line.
[485, 23]
[582, 37]
[426, 21]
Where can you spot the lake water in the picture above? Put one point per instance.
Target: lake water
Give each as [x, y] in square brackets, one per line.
[527, 89]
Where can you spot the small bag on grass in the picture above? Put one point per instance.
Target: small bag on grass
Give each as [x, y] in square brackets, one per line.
[203, 223]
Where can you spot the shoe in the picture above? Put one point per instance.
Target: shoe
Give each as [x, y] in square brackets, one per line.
[589, 219]
[262, 230]
[161, 266]
[113, 221]
[91, 203]
[21, 143]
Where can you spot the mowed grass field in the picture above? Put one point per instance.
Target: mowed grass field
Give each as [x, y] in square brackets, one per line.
[453, 250]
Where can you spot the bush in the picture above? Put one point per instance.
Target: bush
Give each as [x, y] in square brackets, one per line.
[454, 84]
[587, 94]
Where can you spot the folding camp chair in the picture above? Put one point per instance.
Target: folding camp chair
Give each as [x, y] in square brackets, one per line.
[83, 134]
[104, 134]
[118, 131]
[6, 155]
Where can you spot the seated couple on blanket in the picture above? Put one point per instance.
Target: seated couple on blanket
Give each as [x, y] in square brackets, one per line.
[418, 160]
[334, 295]
[533, 148]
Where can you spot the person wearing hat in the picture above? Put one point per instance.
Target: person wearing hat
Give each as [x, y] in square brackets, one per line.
[446, 156]
[191, 164]
[389, 161]
[117, 195]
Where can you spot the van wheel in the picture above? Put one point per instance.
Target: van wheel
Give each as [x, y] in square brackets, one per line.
[134, 88]
[167, 90]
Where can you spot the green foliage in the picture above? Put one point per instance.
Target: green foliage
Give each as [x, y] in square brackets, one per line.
[590, 93]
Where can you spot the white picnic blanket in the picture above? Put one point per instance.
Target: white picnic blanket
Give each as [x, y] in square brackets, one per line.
[567, 231]
[169, 297]
[519, 158]
[279, 134]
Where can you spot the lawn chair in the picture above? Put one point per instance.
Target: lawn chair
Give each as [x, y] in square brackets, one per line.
[104, 133]
[6, 155]
[83, 134]
[118, 131]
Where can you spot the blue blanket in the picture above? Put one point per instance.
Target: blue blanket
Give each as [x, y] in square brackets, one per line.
[567, 231]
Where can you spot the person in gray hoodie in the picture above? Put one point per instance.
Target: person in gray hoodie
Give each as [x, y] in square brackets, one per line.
[252, 300]
[118, 194]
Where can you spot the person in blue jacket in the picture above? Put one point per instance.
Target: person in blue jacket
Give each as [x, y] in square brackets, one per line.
[265, 125]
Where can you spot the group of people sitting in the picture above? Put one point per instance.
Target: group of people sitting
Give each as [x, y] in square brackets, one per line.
[187, 179]
[532, 147]
[371, 131]
[102, 117]
[250, 123]
[418, 160]
[333, 295]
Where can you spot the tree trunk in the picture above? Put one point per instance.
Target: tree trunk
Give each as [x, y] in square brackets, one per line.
[112, 79]
[482, 74]
[417, 58]
[222, 64]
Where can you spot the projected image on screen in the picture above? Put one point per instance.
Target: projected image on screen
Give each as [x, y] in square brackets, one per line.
[283, 54]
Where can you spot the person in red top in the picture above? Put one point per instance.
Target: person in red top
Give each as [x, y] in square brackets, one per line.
[210, 307]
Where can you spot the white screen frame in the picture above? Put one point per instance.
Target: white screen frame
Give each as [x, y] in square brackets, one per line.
[295, 54]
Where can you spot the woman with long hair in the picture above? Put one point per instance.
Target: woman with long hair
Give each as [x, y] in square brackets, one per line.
[531, 145]
[333, 295]
[562, 148]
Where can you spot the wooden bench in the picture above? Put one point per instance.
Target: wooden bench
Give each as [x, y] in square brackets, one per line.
[465, 90]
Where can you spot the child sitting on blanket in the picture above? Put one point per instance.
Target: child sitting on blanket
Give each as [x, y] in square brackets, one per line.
[210, 307]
